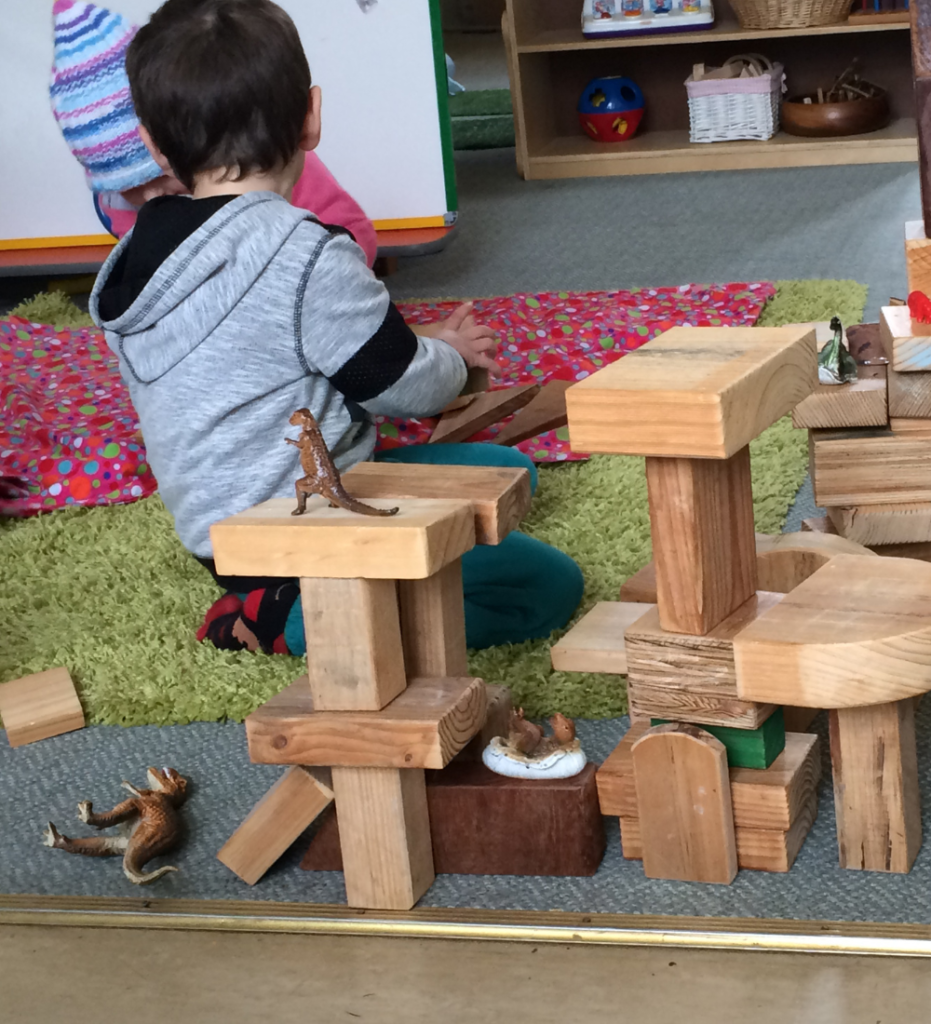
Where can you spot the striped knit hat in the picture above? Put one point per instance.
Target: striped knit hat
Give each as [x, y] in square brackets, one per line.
[91, 99]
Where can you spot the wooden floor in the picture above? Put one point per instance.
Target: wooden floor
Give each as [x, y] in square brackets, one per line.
[88, 975]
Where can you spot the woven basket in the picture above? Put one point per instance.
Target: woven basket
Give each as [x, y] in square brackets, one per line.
[789, 13]
[728, 109]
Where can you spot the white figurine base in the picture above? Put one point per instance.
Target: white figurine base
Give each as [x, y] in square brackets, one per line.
[561, 764]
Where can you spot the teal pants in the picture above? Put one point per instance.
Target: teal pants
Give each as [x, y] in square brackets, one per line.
[520, 589]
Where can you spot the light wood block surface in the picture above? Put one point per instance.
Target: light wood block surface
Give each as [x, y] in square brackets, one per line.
[701, 522]
[876, 796]
[648, 701]
[355, 659]
[285, 811]
[909, 394]
[267, 540]
[701, 392]
[869, 467]
[384, 831]
[500, 495]
[877, 525]
[784, 560]
[38, 706]
[425, 727]
[906, 351]
[488, 408]
[856, 632]
[917, 257]
[684, 805]
[596, 642]
[862, 403]
[433, 623]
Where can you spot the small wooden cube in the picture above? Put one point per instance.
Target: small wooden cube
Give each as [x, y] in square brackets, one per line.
[39, 706]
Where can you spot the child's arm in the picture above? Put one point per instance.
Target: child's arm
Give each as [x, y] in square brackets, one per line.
[320, 193]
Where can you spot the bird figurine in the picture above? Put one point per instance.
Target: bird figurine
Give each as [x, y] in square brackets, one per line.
[835, 363]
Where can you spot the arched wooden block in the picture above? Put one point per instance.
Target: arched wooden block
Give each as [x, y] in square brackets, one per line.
[684, 805]
[785, 560]
[857, 632]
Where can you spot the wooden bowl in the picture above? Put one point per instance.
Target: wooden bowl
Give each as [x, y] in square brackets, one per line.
[851, 117]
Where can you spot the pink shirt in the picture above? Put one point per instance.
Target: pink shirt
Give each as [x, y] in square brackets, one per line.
[316, 190]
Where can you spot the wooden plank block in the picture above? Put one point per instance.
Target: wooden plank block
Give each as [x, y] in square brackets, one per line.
[40, 705]
[784, 560]
[770, 798]
[798, 719]
[919, 551]
[288, 808]
[267, 540]
[701, 522]
[424, 727]
[909, 394]
[433, 623]
[486, 824]
[906, 350]
[701, 392]
[489, 407]
[659, 702]
[385, 836]
[869, 467]
[641, 587]
[500, 495]
[596, 642]
[748, 748]
[856, 632]
[877, 525]
[917, 257]
[355, 659]
[497, 723]
[861, 403]
[545, 411]
[876, 796]
[757, 849]
[684, 805]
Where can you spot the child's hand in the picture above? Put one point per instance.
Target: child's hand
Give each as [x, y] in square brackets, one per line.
[476, 343]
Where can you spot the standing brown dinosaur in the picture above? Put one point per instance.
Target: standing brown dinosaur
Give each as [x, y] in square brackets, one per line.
[322, 476]
[150, 825]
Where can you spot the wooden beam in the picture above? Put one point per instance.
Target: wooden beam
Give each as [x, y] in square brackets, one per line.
[384, 836]
[489, 407]
[684, 805]
[917, 258]
[856, 632]
[500, 495]
[861, 403]
[646, 701]
[906, 350]
[596, 642]
[545, 411]
[784, 560]
[425, 727]
[433, 623]
[876, 525]
[268, 540]
[38, 706]
[876, 796]
[702, 392]
[497, 723]
[701, 522]
[869, 467]
[641, 587]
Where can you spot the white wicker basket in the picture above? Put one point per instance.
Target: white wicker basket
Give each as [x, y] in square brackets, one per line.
[727, 109]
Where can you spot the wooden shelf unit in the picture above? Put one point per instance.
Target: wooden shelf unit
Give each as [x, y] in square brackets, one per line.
[550, 61]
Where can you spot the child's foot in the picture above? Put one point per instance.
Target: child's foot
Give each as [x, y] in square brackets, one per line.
[219, 624]
[264, 614]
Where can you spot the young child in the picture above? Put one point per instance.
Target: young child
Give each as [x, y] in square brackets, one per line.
[92, 104]
[230, 308]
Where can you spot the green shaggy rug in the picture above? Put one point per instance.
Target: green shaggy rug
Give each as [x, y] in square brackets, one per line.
[110, 593]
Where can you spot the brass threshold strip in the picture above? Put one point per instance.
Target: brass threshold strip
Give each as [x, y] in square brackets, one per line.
[748, 934]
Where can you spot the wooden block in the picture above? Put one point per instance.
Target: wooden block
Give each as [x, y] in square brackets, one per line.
[798, 719]
[288, 808]
[859, 404]
[876, 796]
[784, 560]
[684, 805]
[917, 258]
[909, 394]
[500, 495]
[856, 632]
[424, 727]
[355, 659]
[701, 522]
[497, 723]
[702, 392]
[489, 407]
[919, 551]
[748, 748]
[330, 542]
[877, 525]
[486, 824]
[641, 587]
[38, 706]
[596, 642]
[770, 798]
[433, 623]
[906, 352]
[545, 411]
[708, 710]
[757, 849]
[385, 836]
[818, 524]
[869, 467]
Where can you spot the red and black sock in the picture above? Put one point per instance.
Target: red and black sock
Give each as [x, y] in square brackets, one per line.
[232, 624]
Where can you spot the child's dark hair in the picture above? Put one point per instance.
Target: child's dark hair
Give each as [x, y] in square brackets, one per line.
[220, 84]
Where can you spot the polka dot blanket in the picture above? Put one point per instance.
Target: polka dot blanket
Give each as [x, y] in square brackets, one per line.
[68, 432]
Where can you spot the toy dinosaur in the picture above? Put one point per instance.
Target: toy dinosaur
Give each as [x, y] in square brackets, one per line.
[322, 476]
[149, 825]
[835, 363]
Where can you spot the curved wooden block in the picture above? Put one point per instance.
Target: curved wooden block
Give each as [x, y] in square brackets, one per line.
[785, 560]
[857, 632]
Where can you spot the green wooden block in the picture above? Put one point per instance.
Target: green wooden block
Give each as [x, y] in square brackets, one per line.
[748, 748]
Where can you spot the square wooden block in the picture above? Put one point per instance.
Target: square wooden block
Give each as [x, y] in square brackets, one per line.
[907, 347]
[38, 706]
[596, 642]
[702, 392]
[267, 540]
